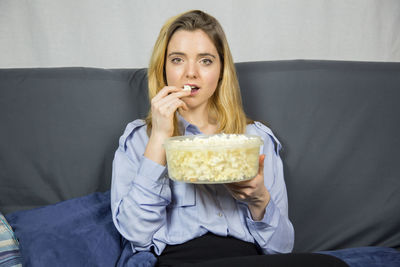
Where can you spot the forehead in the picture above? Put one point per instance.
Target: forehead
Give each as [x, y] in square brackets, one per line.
[191, 41]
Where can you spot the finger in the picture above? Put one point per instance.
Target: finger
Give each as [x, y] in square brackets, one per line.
[243, 192]
[174, 103]
[261, 164]
[181, 104]
[168, 90]
[239, 195]
[239, 185]
[244, 184]
[179, 94]
[168, 109]
[170, 98]
[164, 92]
[234, 193]
[184, 106]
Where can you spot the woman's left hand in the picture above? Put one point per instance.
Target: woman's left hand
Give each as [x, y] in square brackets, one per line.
[253, 192]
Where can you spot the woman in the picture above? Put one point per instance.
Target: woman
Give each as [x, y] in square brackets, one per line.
[183, 222]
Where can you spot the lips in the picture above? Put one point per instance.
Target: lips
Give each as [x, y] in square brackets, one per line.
[193, 87]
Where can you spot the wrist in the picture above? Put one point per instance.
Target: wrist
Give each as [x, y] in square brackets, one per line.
[257, 208]
[158, 137]
[155, 150]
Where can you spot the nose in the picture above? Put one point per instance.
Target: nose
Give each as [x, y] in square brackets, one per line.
[191, 70]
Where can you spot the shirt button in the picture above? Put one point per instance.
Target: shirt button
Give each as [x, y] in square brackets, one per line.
[219, 214]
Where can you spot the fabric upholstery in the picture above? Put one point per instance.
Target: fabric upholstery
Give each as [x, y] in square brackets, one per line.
[76, 232]
[367, 256]
[80, 232]
[59, 130]
[338, 124]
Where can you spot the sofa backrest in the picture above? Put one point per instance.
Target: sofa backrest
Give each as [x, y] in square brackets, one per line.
[60, 129]
[338, 123]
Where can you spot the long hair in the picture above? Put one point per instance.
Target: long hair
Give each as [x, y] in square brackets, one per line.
[225, 105]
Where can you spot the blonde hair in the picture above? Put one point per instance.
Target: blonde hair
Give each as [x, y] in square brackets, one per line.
[225, 106]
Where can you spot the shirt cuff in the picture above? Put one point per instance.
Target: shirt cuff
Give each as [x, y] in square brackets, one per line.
[270, 219]
[150, 173]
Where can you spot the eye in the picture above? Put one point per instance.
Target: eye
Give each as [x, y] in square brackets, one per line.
[176, 60]
[206, 61]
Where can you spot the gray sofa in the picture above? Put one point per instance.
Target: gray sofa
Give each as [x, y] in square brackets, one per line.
[338, 122]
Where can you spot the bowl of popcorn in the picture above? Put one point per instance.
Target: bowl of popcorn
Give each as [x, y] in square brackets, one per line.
[219, 158]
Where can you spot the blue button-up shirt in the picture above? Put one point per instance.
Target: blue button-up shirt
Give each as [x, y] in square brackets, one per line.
[151, 210]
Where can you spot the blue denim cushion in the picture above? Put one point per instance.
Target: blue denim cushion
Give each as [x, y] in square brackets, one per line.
[80, 232]
[367, 256]
[76, 232]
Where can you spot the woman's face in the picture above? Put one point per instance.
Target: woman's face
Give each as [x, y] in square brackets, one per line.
[192, 59]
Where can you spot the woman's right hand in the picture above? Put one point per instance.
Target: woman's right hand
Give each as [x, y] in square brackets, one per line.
[163, 107]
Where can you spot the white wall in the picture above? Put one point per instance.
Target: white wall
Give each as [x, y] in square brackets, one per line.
[118, 34]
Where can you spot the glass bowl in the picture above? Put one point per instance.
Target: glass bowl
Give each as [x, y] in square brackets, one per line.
[219, 158]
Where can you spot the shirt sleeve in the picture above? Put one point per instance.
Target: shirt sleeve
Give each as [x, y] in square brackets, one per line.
[140, 191]
[274, 233]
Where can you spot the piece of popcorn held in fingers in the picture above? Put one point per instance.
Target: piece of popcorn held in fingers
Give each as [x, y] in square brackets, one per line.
[187, 87]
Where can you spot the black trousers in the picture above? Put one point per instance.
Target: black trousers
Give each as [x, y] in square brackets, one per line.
[211, 250]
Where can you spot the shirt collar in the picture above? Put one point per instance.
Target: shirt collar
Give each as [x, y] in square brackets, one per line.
[185, 127]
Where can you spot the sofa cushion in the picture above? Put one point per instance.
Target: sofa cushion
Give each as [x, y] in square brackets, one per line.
[367, 256]
[80, 232]
[76, 232]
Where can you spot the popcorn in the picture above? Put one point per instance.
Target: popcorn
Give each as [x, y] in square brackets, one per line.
[187, 87]
[221, 158]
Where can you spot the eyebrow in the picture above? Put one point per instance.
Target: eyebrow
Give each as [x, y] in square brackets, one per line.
[183, 54]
